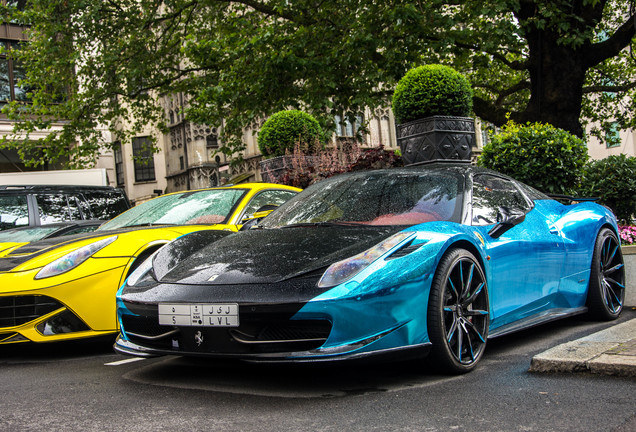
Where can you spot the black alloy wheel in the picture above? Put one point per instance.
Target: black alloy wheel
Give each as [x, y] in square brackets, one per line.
[606, 291]
[458, 312]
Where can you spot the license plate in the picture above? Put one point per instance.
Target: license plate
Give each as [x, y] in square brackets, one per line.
[199, 315]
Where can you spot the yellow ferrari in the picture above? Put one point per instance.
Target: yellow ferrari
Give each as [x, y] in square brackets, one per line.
[64, 288]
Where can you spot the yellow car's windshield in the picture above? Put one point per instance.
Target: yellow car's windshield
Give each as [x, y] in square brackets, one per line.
[210, 206]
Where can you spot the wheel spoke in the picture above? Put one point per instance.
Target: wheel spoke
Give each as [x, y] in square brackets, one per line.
[611, 257]
[611, 281]
[477, 332]
[472, 298]
[452, 285]
[452, 330]
[469, 342]
[476, 312]
[606, 298]
[616, 297]
[613, 269]
[470, 280]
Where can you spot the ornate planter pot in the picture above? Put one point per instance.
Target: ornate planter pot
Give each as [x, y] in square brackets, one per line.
[629, 256]
[436, 138]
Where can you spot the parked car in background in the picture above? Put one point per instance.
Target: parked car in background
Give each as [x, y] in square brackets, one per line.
[402, 262]
[36, 205]
[18, 236]
[64, 287]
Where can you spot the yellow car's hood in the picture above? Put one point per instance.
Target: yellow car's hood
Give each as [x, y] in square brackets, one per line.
[7, 247]
[39, 253]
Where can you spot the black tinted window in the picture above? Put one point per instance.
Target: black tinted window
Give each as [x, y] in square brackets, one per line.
[56, 208]
[489, 194]
[105, 205]
[13, 211]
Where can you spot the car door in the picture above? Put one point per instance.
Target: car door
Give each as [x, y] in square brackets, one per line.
[526, 261]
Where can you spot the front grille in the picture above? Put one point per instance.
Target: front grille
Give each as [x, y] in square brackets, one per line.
[18, 310]
[289, 331]
[144, 326]
[254, 335]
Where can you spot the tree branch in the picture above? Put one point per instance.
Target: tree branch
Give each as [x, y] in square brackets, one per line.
[610, 47]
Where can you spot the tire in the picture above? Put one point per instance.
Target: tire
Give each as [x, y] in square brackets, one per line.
[458, 312]
[606, 290]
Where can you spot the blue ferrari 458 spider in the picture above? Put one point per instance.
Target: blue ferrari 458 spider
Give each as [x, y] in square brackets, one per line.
[431, 259]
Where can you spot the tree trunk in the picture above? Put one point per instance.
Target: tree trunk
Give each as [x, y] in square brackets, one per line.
[557, 75]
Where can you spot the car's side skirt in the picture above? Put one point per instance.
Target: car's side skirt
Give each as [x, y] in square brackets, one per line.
[535, 320]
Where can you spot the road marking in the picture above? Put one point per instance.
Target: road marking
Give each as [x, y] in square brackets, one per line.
[121, 362]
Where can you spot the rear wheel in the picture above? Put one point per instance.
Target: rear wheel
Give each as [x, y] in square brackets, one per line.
[606, 291]
[458, 312]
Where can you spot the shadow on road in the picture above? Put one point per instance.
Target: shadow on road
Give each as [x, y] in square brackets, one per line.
[56, 351]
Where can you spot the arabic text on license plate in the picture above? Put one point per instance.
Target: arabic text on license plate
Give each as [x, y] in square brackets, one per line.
[209, 315]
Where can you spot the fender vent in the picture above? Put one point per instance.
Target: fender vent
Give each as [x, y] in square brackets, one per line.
[405, 250]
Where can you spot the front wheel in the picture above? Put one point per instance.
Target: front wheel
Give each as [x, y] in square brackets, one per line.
[458, 312]
[606, 291]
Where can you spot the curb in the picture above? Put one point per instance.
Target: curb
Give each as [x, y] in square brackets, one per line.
[610, 352]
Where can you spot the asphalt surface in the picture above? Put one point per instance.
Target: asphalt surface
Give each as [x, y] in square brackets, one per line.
[88, 387]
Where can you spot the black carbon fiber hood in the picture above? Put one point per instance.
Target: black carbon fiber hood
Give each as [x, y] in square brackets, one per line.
[262, 256]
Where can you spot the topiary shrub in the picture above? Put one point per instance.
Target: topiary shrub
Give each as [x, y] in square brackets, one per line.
[613, 181]
[540, 155]
[283, 130]
[432, 90]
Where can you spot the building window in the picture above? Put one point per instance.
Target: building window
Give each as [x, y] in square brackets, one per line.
[11, 72]
[119, 164]
[212, 140]
[143, 159]
[344, 127]
[612, 136]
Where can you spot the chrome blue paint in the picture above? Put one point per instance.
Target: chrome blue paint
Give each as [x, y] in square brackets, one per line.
[539, 265]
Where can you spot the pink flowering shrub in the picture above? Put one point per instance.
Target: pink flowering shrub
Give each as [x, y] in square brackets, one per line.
[628, 234]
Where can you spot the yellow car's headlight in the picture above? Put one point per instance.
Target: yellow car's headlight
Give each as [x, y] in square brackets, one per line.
[73, 259]
[344, 270]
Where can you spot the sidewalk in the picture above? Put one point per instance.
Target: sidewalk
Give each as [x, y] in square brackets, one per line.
[611, 352]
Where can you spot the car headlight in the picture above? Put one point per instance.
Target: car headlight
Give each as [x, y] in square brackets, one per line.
[344, 270]
[140, 272]
[73, 259]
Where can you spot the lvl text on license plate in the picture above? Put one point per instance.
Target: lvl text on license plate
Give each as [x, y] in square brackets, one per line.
[209, 315]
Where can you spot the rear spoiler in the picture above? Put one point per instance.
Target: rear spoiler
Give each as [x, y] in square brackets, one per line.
[567, 199]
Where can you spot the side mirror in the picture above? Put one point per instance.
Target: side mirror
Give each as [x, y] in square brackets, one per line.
[507, 218]
[259, 214]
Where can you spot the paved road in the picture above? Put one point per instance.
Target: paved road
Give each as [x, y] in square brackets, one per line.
[87, 387]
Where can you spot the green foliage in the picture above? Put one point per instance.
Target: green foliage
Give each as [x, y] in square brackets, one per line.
[432, 90]
[283, 130]
[93, 65]
[613, 181]
[540, 155]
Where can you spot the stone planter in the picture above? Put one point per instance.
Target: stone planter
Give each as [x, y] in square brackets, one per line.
[273, 170]
[436, 138]
[629, 257]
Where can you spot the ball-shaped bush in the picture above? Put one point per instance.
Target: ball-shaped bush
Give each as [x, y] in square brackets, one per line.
[285, 129]
[432, 90]
[613, 181]
[540, 155]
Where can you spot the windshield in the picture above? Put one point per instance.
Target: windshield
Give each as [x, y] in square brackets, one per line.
[391, 197]
[27, 234]
[210, 206]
